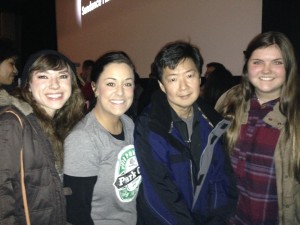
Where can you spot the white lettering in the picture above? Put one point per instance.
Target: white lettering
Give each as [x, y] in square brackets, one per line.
[92, 6]
[126, 179]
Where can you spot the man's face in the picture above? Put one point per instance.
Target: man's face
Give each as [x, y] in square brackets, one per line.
[181, 85]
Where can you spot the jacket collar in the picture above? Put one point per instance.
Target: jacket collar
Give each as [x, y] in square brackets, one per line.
[161, 112]
[8, 100]
[274, 118]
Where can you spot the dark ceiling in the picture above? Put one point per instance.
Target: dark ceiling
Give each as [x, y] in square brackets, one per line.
[13, 6]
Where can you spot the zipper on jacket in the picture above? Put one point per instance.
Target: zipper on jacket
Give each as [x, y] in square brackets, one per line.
[189, 143]
[191, 177]
[188, 148]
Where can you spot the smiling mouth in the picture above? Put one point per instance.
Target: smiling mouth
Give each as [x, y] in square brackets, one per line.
[54, 96]
[118, 101]
[185, 96]
[266, 78]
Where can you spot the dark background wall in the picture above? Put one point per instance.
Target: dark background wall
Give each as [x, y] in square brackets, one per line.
[284, 16]
[38, 26]
[32, 23]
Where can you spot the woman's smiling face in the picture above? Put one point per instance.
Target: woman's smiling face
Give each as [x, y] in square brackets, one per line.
[266, 71]
[115, 89]
[51, 89]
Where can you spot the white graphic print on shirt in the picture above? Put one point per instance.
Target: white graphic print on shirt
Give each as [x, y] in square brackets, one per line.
[127, 175]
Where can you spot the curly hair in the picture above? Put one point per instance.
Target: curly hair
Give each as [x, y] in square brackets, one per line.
[57, 127]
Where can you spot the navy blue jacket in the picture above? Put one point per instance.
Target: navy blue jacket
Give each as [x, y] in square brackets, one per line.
[175, 190]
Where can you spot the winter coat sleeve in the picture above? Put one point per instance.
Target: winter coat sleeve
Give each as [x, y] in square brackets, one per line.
[11, 137]
[161, 200]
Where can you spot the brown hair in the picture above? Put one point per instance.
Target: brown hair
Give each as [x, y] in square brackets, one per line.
[58, 127]
[235, 102]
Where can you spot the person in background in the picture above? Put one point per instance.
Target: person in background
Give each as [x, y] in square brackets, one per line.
[150, 87]
[86, 70]
[100, 163]
[212, 66]
[85, 84]
[187, 176]
[264, 137]
[8, 58]
[33, 125]
[132, 112]
[217, 83]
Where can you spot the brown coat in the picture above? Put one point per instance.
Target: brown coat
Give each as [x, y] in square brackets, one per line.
[44, 191]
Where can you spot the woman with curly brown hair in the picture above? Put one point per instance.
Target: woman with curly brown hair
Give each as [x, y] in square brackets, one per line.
[32, 129]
